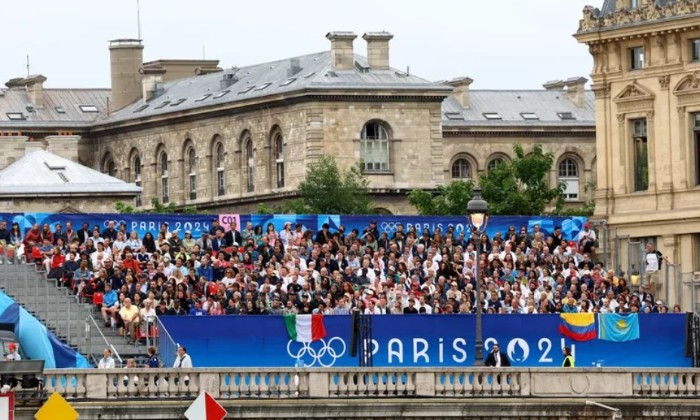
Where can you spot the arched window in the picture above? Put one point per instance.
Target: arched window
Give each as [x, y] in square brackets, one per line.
[219, 165]
[569, 176]
[164, 186]
[461, 169]
[108, 166]
[136, 170]
[278, 151]
[493, 163]
[249, 164]
[374, 147]
[192, 172]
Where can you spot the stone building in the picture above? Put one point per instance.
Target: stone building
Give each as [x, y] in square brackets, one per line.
[224, 140]
[647, 97]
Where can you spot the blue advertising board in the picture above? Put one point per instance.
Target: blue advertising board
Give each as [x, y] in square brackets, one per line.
[199, 223]
[422, 341]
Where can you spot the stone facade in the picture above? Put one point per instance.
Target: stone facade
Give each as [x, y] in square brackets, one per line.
[343, 96]
[645, 79]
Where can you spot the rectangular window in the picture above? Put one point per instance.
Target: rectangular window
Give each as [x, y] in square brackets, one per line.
[695, 49]
[696, 147]
[193, 187]
[640, 154]
[221, 183]
[166, 191]
[566, 116]
[88, 108]
[636, 58]
[15, 116]
[634, 4]
[491, 115]
[137, 200]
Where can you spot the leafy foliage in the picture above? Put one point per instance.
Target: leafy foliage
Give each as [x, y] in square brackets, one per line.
[328, 190]
[158, 208]
[518, 187]
[588, 208]
[521, 186]
[447, 200]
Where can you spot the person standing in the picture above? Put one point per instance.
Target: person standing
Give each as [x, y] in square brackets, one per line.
[568, 358]
[183, 360]
[497, 358]
[654, 258]
[107, 362]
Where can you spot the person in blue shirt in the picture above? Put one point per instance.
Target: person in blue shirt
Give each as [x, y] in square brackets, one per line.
[110, 305]
[197, 309]
[153, 361]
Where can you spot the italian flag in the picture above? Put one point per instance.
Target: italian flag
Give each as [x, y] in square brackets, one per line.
[305, 328]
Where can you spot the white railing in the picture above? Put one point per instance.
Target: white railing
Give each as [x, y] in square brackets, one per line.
[227, 383]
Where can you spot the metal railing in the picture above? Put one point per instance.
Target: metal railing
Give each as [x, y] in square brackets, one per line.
[166, 346]
[89, 324]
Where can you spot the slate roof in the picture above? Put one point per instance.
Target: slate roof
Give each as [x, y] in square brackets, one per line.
[41, 172]
[510, 105]
[68, 100]
[304, 73]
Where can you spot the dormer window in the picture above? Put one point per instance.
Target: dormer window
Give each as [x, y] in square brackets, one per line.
[88, 108]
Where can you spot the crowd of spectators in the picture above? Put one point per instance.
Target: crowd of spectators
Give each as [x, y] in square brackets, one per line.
[261, 271]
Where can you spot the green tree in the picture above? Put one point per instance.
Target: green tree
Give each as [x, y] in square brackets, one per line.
[521, 186]
[447, 200]
[329, 190]
[158, 208]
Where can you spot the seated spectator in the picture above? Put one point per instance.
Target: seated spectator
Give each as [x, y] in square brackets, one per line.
[130, 316]
[110, 306]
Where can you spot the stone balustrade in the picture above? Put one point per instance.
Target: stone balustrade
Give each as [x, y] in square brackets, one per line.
[285, 383]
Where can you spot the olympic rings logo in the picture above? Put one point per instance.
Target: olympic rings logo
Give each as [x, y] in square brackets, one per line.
[325, 356]
[389, 227]
[117, 223]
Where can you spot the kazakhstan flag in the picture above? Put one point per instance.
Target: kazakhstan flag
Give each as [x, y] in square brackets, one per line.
[616, 327]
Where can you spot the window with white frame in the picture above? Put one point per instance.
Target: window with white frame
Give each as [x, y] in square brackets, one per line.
[374, 147]
[220, 174]
[640, 154]
[164, 186]
[192, 172]
[279, 159]
[461, 169]
[137, 180]
[569, 176]
[250, 165]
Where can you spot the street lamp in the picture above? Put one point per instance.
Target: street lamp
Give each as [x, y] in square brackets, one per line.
[478, 217]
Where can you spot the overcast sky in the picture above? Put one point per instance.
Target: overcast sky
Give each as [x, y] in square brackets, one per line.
[501, 44]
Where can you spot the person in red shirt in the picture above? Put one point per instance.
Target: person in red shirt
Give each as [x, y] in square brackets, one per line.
[32, 239]
[130, 263]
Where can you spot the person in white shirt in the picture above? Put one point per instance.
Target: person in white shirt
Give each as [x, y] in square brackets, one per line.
[106, 362]
[13, 354]
[184, 361]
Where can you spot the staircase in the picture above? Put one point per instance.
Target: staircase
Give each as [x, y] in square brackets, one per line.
[61, 312]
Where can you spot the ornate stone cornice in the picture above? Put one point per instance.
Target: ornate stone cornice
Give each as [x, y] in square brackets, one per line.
[594, 20]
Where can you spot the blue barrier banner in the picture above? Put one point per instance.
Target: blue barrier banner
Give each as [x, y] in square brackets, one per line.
[199, 223]
[422, 341]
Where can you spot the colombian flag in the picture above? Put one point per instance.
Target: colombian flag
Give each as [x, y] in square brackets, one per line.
[579, 327]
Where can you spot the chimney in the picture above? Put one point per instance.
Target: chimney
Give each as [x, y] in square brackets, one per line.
[378, 49]
[152, 77]
[294, 67]
[126, 59]
[35, 89]
[461, 90]
[228, 79]
[201, 71]
[341, 49]
[576, 90]
[554, 85]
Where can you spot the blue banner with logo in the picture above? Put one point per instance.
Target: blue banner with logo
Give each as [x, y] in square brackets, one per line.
[422, 341]
[199, 223]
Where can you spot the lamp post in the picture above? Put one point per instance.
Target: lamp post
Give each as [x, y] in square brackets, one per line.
[478, 217]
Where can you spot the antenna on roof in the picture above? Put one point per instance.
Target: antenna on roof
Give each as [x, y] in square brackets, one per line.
[204, 52]
[28, 68]
[138, 18]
